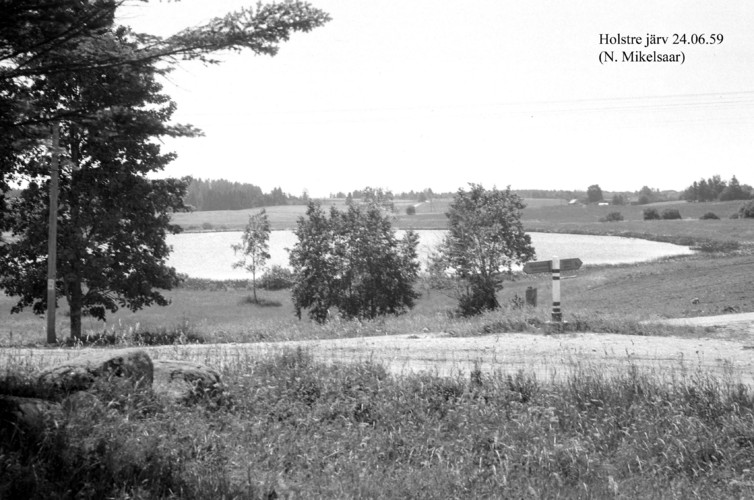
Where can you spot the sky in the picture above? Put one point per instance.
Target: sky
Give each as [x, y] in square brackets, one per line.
[415, 94]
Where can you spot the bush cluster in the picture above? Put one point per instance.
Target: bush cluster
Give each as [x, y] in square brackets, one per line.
[667, 214]
[352, 260]
[277, 278]
[651, 214]
[612, 217]
[671, 213]
[709, 216]
[747, 210]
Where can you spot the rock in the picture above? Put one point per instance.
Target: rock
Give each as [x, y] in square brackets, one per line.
[185, 381]
[24, 418]
[80, 373]
[695, 300]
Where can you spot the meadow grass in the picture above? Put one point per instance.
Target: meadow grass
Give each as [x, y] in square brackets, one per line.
[293, 428]
[540, 215]
[429, 215]
[609, 299]
[229, 316]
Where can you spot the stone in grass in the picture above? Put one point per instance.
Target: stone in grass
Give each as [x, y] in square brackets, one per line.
[79, 374]
[24, 418]
[186, 381]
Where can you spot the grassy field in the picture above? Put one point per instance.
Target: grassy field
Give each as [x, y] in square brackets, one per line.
[611, 299]
[586, 220]
[603, 298]
[429, 215]
[287, 427]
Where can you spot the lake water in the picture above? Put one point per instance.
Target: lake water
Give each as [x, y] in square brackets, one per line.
[208, 255]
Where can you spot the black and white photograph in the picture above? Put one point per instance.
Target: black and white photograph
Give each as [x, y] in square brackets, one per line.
[376, 249]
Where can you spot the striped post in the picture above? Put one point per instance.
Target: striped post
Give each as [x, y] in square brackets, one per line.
[557, 316]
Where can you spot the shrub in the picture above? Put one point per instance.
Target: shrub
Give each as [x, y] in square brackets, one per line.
[410, 210]
[352, 260]
[709, 216]
[713, 246]
[277, 278]
[651, 214]
[671, 213]
[207, 226]
[485, 237]
[747, 210]
[612, 217]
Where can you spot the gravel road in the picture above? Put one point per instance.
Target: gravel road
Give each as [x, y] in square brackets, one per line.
[548, 356]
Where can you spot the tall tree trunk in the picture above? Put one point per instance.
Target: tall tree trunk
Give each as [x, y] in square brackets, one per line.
[75, 302]
[75, 295]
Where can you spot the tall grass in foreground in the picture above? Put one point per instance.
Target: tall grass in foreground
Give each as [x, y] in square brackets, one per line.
[295, 428]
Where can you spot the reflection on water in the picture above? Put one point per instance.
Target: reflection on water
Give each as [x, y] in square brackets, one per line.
[208, 255]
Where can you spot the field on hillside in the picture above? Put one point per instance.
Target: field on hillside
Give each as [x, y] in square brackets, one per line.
[586, 219]
[429, 215]
[593, 213]
[281, 217]
[544, 215]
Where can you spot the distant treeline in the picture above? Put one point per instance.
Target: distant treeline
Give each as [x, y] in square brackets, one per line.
[716, 189]
[428, 194]
[550, 193]
[361, 194]
[226, 195]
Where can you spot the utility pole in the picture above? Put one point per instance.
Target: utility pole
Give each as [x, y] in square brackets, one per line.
[53, 235]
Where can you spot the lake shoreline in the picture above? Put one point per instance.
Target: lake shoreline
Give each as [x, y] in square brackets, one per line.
[190, 250]
[686, 241]
[674, 239]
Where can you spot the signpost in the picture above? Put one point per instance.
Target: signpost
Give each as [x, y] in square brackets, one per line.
[545, 266]
[554, 266]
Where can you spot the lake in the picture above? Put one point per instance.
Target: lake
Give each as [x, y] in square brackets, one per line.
[208, 255]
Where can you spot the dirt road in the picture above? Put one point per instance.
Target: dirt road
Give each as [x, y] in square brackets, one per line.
[548, 356]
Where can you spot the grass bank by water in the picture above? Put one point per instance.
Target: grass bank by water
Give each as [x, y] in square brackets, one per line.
[611, 299]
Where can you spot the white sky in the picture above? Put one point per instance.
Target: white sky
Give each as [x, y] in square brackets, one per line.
[409, 94]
